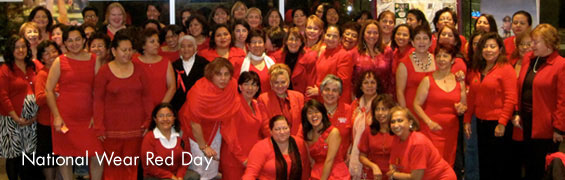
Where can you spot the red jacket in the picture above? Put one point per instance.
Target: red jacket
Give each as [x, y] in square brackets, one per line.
[548, 96]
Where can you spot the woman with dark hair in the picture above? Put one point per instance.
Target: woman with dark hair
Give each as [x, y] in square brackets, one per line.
[73, 133]
[363, 16]
[449, 37]
[170, 35]
[273, 19]
[444, 17]
[240, 32]
[280, 156]
[323, 141]
[387, 21]
[152, 24]
[401, 44]
[184, 15]
[299, 17]
[220, 15]
[256, 59]
[339, 113]
[415, 18]
[221, 45]
[486, 23]
[47, 52]
[42, 17]
[99, 44]
[152, 12]
[56, 34]
[274, 43]
[331, 16]
[412, 154]
[89, 30]
[321, 9]
[374, 146]
[243, 131]
[18, 108]
[472, 48]
[350, 35]
[197, 27]
[122, 106]
[521, 23]
[300, 62]
[492, 80]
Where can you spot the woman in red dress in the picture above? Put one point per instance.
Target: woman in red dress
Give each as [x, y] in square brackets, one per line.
[280, 156]
[221, 45]
[171, 35]
[413, 156]
[122, 106]
[73, 125]
[323, 141]
[521, 23]
[439, 100]
[401, 44]
[256, 59]
[338, 112]
[241, 133]
[374, 146]
[198, 28]
[159, 69]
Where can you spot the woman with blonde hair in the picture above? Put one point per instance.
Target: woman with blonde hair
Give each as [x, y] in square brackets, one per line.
[238, 10]
[254, 18]
[115, 19]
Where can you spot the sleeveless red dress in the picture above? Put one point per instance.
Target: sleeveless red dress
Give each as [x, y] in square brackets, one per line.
[157, 75]
[413, 79]
[439, 106]
[75, 103]
[319, 151]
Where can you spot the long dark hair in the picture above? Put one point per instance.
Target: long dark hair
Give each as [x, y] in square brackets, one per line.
[479, 63]
[9, 58]
[306, 126]
[388, 102]
[280, 162]
[491, 22]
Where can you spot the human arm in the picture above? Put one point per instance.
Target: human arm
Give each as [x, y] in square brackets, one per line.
[100, 82]
[256, 162]
[171, 86]
[199, 137]
[334, 140]
[52, 80]
[421, 96]
[401, 77]
[558, 116]
[461, 106]
[509, 88]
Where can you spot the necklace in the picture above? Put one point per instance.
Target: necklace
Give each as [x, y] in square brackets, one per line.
[535, 64]
[422, 65]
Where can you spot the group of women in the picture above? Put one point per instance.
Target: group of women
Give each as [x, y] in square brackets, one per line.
[306, 98]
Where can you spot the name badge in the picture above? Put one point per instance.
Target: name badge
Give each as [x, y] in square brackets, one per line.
[342, 119]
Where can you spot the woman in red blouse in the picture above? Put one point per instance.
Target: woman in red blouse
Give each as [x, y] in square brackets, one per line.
[444, 17]
[300, 62]
[281, 156]
[492, 99]
[221, 45]
[338, 112]
[448, 36]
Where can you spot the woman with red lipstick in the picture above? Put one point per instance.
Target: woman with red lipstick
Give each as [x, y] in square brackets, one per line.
[221, 45]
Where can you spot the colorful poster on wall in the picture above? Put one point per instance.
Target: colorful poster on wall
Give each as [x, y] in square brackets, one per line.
[400, 11]
[502, 11]
[400, 7]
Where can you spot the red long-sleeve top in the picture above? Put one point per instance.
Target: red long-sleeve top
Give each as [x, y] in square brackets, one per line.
[44, 113]
[290, 107]
[210, 54]
[15, 85]
[381, 64]
[304, 72]
[336, 61]
[152, 144]
[494, 97]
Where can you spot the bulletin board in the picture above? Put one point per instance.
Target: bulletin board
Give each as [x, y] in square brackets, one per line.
[401, 7]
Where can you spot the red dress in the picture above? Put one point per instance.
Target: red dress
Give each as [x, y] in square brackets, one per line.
[76, 82]
[262, 164]
[210, 54]
[239, 135]
[381, 64]
[439, 106]
[152, 147]
[377, 149]
[413, 80]
[336, 61]
[418, 153]
[319, 151]
[341, 119]
[290, 107]
[170, 55]
[157, 74]
[397, 55]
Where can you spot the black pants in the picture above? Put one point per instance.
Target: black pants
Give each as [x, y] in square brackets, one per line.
[15, 169]
[493, 151]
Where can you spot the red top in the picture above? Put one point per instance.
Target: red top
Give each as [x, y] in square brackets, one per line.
[110, 34]
[459, 65]
[15, 85]
[263, 74]
[44, 113]
[418, 153]
[290, 107]
[262, 164]
[494, 97]
[122, 105]
[304, 72]
[377, 149]
[170, 55]
[397, 55]
[157, 74]
[552, 156]
[210, 54]
[510, 46]
[380, 64]
[548, 96]
[413, 80]
[152, 147]
[338, 62]
[341, 119]
[319, 152]
[204, 45]
[277, 56]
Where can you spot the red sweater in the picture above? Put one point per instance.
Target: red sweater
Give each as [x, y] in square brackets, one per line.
[151, 144]
[290, 107]
[210, 54]
[338, 62]
[15, 85]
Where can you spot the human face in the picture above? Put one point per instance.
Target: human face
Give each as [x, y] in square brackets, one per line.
[280, 131]
[222, 38]
[20, 50]
[476, 42]
[151, 45]
[299, 19]
[539, 46]
[116, 17]
[443, 60]
[123, 52]
[195, 28]
[482, 24]
[371, 35]
[332, 17]
[280, 84]
[257, 46]
[75, 42]
[402, 36]
[152, 13]
[187, 49]
[98, 47]
[349, 39]
[331, 38]
[274, 19]
[369, 85]
[253, 19]
[57, 36]
[239, 12]
[520, 24]
[491, 50]
[400, 124]
[221, 78]
[525, 46]
[412, 21]
[293, 43]
[248, 89]
[381, 113]
[41, 19]
[90, 17]
[49, 55]
[165, 119]
[445, 19]
[446, 37]
[172, 39]
[220, 16]
[387, 24]
[89, 31]
[421, 42]
[313, 32]
[320, 11]
[32, 35]
[314, 117]
[240, 33]
[185, 15]
[331, 93]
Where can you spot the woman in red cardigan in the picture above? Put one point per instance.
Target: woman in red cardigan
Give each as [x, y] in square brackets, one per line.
[492, 98]
[541, 105]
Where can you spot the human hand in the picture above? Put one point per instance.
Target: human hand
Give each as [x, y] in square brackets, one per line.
[467, 129]
[312, 91]
[460, 76]
[460, 108]
[434, 126]
[499, 130]
[516, 121]
[557, 137]
[58, 123]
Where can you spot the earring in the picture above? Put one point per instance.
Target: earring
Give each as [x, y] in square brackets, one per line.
[411, 126]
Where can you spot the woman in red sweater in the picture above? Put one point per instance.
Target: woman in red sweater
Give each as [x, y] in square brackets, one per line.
[492, 99]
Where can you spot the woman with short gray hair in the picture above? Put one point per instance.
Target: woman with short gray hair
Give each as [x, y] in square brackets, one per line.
[338, 112]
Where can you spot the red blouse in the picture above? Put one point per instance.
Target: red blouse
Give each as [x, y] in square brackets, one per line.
[338, 62]
[341, 119]
[304, 74]
[15, 85]
[377, 148]
[44, 113]
[170, 55]
[290, 107]
[381, 64]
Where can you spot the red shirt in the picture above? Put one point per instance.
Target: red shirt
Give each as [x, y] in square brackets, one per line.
[494, 97]
[304, 72]
[290, 107]
[204, 45]
[157, 74]
[510, 46]
[377, 148]
[44, 113]
[338, 62]
[241, 133]
[341, 119]
[210, 54]
[170, 55]
[15, 85]
[152, 144]
[277, 56]
[380, 64]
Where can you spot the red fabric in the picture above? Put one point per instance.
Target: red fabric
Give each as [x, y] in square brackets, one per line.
[338, 62]
[304, 72]
[123, 148]
[263, 74]
[262, 164]
[341, 119]
[494, 97]
[75, 103]
[153, 145]
[44, 113]
[510, 46]
[110, 34]
[459, 65]
[381, 64]
[548, 96]
[122, 106]
[204, 45]
[208, 105]
[277, 56]
[440, 107]
[418, 153]
[157, 74]
[239, 135]
[319, 151]
[397, 55]
[211, 54]
[552, 156]
[413, 80]
[377, 149]
[170, 55]
[15, 85]
[290, 107]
